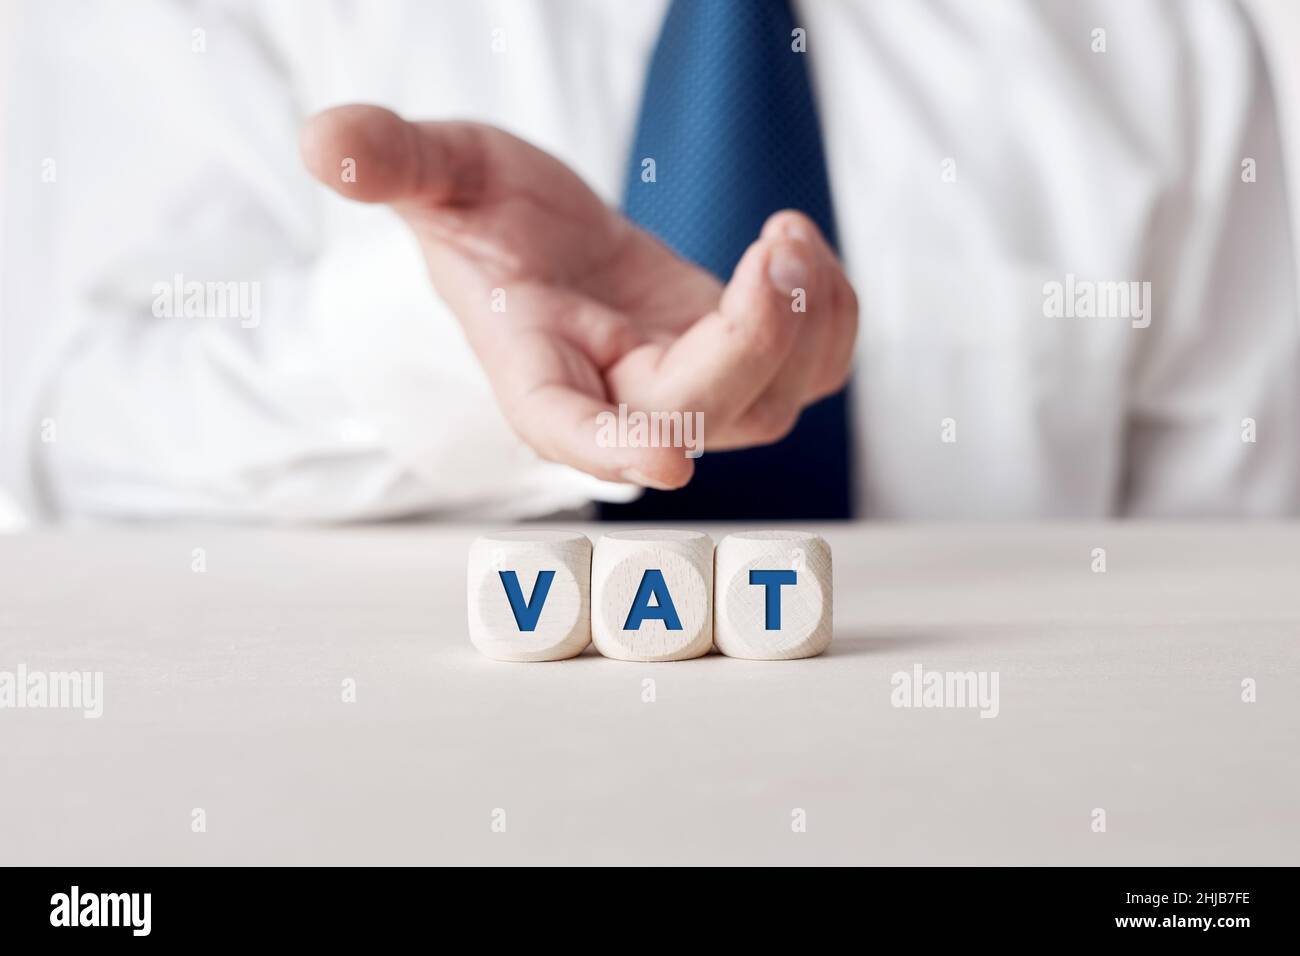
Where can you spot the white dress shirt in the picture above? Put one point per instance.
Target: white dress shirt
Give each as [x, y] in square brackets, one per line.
[978, 152]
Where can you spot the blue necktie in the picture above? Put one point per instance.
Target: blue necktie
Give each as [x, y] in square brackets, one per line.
[729, 119]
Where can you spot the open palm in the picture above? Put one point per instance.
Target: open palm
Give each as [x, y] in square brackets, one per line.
[573, 310]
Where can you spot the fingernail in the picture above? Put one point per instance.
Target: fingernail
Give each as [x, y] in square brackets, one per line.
[635, 477]
[797, 230]
[787, 270]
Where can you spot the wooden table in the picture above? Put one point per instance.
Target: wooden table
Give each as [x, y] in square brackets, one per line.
[223, 690]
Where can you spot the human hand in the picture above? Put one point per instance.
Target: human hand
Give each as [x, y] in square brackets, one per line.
[597, 311]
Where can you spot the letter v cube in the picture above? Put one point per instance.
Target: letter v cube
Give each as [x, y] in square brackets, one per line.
[529, 595]
[772, 595]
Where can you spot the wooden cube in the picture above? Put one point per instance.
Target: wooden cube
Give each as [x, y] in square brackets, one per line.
[652, 595]
[772, 595]
[529, 595]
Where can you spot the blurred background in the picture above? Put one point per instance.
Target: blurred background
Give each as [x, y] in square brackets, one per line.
[474, 450]
[1278, 22]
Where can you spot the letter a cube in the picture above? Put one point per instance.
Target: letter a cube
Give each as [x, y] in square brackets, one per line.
[652, 595]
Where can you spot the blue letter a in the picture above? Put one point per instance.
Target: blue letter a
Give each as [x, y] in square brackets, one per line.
[526, 615]
[652, 585]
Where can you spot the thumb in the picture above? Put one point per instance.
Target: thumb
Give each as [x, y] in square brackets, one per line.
[727, 358]
[371, 154]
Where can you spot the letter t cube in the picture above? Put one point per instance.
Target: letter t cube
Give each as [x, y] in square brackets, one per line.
[772, 595]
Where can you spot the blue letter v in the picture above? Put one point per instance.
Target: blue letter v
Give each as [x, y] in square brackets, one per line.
[526, 615]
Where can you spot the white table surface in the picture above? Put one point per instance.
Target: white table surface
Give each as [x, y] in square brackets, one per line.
[222, 691]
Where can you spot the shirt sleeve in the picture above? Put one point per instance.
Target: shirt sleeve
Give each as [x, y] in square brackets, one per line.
[193, 327]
